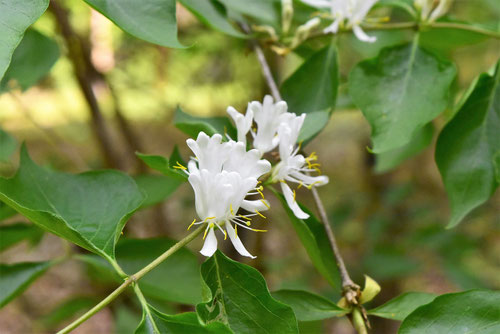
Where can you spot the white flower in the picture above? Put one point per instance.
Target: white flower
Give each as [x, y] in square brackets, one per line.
[222, 175]
[292, 167]
[352, 11]
[267, 115]
[427, 14]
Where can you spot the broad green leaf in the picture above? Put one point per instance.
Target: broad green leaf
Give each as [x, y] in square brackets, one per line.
[171, 167]
[89, 209]
[14, 233]
[401, 306]
[312, 235]
[7, 146]
[156, 187]
[308, 306]
[467, 146]
[240, 298]
[6, 211]
[15, 278]
[155, 322]
[67, 309]
[264, 11]
[400, 91]
[176, 279]
[313, 86]
[32, 60]
[391, 159]
[15, 17]
[192, 125]
[126, 320]
[213, 14]
[313, 124]
[497, 166]
[153, 21]
[470, 312]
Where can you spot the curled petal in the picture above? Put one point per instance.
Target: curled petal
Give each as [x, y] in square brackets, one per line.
[210, 245]
[297, 211]
[238, 245]
[362, 36]
[252, 206]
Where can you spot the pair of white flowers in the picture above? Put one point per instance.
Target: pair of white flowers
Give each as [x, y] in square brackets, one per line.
[224, 174]
[346, 13]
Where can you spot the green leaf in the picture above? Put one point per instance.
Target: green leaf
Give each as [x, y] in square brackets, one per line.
[154, 21]
[192, 125]
[8, 146]
[313, 124]
[212, 13]
[156, 187]
[467, 146]
[89, 209]
[126, 320]
[313, 86]
[399, 92]
[308, 306]
[6, 211]
[401, 306]
[496, 160]
[470, 312]
[15, 17]
[67, 309]
[171, 167]
[176, 279]
[391, 159]
[15, 278]
[14, 233]
[155, 322]
[312, 235]
[32, 60]
[264, 11]
[241, 299]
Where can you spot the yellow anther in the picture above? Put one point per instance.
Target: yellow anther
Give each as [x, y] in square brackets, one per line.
[255, 230]
[259, 190]
[265, 203]
[245, 217]
[231, 209]
[225, 234]
[282, 181]
[312, 185]
[179, 166]
[236, 230]
[208, 218]
[194, 221]
[294, 195]
[300, 185]
[121, 232]
[260, 214]
[206, 231]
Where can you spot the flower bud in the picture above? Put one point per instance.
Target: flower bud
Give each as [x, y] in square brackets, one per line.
[286, 15]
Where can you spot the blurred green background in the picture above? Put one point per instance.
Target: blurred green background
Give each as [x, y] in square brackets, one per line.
[390, 226]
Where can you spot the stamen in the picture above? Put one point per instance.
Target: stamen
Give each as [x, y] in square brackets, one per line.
[260, 214]
[206, 230]
[208, 218]
[194, 221]
[294, 195]
[248, 228]
[236, 229]
[300, 185]
[179, 166]
[222, 230]
[259, 190]
[245, 217]
[231, 209]
[265, 203]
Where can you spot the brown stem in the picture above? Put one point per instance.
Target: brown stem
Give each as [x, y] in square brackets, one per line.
[351, 290]
[84, 75]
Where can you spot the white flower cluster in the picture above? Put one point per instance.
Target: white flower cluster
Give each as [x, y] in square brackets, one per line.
[223, 174]
[346, 13]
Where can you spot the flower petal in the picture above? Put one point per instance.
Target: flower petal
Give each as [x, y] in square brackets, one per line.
[362, 36]
[238, 245]
[252, 206]
[297, 211]
[210, 245]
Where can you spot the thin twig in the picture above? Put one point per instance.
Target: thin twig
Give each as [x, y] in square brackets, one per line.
[131, 279]
[350, 289]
